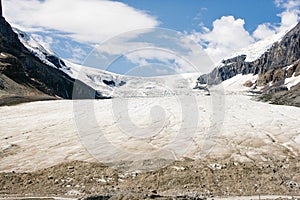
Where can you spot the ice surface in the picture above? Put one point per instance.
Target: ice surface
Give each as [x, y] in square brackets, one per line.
[132, 86]
[49, 132]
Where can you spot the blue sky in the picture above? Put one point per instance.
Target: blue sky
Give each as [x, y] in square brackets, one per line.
[183, 15]
[124, 36]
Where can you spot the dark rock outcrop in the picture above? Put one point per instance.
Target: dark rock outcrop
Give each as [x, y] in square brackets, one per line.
[283, 97]
[230, 68]
[110, 83]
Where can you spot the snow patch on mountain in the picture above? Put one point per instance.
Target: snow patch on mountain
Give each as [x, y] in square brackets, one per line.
[254, 51]
[45, 54]
[236, 83]
[292, 81]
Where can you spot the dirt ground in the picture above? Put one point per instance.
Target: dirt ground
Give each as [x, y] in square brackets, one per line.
[10, 100]
[185, 179]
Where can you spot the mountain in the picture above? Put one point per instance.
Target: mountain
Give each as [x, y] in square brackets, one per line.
[25, 77]
[277, 69]
[111, 84]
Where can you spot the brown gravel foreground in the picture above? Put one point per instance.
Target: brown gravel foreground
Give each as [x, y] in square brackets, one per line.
[185, 179]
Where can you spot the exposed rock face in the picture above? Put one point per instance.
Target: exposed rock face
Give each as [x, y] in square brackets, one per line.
[273, 75]
[280, 55]
[295, 69]
[230, 68]
[31, 74]
[284, 97]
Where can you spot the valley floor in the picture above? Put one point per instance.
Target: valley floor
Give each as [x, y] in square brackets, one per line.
[150, 146]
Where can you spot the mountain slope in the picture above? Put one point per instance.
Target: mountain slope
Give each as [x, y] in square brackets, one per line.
[24, 76]
[278, 69]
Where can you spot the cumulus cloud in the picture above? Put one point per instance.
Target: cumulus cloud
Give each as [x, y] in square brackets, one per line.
[83, 20]
[227, 35]
[174, 60]
[160, 47]
[263, 31]
[289, 18]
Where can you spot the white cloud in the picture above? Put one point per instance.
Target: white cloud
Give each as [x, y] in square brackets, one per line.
[263, 31]
[78, 54]
[197, 58]
[289, 18]
[161, 46]
[84, 20]
[228, 35]
[287, 4]
[174, 60]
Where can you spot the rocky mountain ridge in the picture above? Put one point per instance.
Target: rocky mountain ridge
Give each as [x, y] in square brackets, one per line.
[280, 62]
[280, 55]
